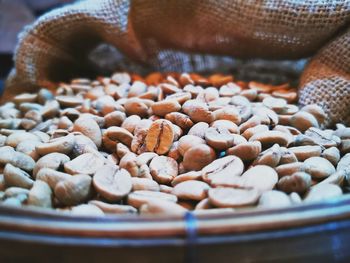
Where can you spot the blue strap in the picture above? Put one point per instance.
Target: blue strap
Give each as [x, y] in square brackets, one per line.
[191, 237]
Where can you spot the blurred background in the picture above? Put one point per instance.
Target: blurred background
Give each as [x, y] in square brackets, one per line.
[14, 15]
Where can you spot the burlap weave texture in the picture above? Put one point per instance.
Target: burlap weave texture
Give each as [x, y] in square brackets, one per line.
[173, 35]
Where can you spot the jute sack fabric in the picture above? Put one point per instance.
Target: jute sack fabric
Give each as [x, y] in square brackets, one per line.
[187, 35]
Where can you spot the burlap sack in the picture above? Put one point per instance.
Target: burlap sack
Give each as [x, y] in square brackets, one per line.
[187, 35]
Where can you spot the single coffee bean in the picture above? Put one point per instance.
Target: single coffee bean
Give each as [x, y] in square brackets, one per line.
[60, 145]
[86, 210]
[113, 208]
[40, 195]
[198, 129]
[112, 183]
[192, 175]
[298, 182]
[274, 199]
[162, 108]
[144, 184]
[138, 198]
[219, 138]
[247, 151]
[14, 176]
[160, 136]
[271, 137]
[222, 171]
[261, 177]
[305, 152]
[87, 163]
[191, 190]
[180, 119]
[318, 167]
[270, 157]
[18, 159]
[198, 157]
[73, 190]
[321, 192]
[52, 177]
[156, 207]
[188, 141]
[163, 169]
[231, 197]
[89, 128]
[51, 160]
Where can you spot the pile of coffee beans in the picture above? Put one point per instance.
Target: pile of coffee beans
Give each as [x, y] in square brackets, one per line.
[167, 143]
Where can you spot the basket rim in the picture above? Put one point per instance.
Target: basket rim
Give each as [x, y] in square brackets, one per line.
[39, 221]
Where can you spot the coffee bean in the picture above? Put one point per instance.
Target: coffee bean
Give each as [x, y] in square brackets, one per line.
[138, 198]
[223, 171]
[14, 176]
[40, 195]
[198, 156]
[112, 183]
[163, 169]
[73, 190]
[89, 128]
[274, 199]
[160, 136]
[87, 163]
[156, 207]
[298, 182]
[231, 197]
[191, 190]
[113, 208]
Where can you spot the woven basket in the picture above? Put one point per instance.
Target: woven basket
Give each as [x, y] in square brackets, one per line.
[306, 233]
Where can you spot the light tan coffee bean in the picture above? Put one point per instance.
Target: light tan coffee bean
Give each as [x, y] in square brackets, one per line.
[318, 167]
[14, 176]
[52, 177]
[337, 178]
[180, 119]
[303, 120]
[40, 195]
[322, 192]
[16, 138]
[28, 148]
[156, 207]
[199, 129]
[87, 163]
[287, 156]
[136, 106]
[128, 162]
[160, 136]
[250, 132]
[138, 143]
[219, 138]
[16, 192]
[269, 138]
[191, 190]
[270, 157]
[162, 108]
[198, 111]
[118, 134]
[247, 151]
[223, 171]
[231, 197]
[51, 160]
[163, 169]
[60, 145]
[17, 159]
[344, 162]
[145, 158]
[192, 175]
[73, 190]
[144, 184]
[228, 113]
[198, 156]
[274, 199]
[89, 128]
[261, 177]
[298, 182]
[304, 152]
[138, 198]
[113, 208]
[289, 168]
[188, 141]
[86, 210]
[316, 111]
[69, 101]
[130, 123]
[112, 182]
[225, 124]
